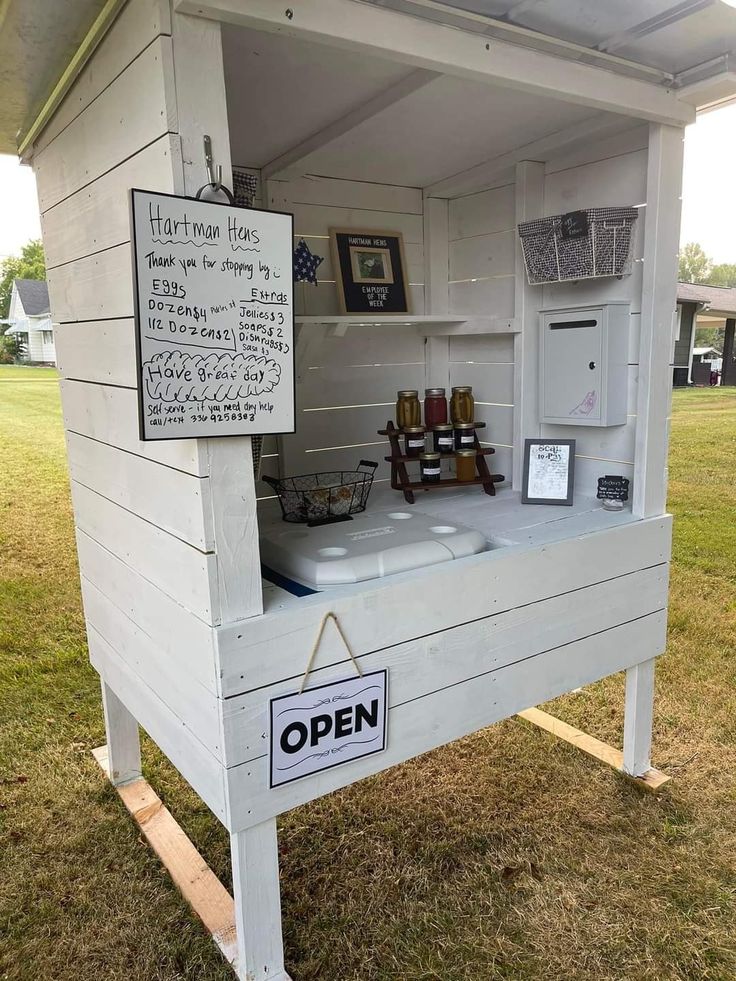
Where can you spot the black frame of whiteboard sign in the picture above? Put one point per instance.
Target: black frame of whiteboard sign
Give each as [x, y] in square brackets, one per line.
[136, 317]
[559, 501]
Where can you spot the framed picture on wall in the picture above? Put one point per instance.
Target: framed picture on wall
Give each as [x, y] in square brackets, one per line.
[370, 271]
[549, 471]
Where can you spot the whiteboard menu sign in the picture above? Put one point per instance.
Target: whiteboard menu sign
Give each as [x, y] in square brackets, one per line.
[549, 469]
[214, 318]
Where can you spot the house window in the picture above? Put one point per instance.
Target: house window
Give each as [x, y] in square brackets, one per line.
[47, 336]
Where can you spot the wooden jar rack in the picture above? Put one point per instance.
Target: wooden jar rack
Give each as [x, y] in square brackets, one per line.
[400, 479]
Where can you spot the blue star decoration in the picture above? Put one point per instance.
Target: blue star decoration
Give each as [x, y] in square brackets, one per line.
[305, 264]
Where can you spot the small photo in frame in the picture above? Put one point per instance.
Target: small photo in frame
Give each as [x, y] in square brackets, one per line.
[370, 271]
[371, 265]
[549, 471]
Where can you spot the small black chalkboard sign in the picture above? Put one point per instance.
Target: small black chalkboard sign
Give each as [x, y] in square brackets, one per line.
[613, 488]
[575, 224]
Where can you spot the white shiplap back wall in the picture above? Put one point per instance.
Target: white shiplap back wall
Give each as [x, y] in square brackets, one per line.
[612, 174]
[347, 379]
[482, 238]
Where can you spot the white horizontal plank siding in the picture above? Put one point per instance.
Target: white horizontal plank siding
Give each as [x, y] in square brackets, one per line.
[431, 663]
[493, 349]
[110, 415]
[316, 190]
[628, 140]
[156, 666]
[611, 182]
[139, 23]
[131, 113]
[364, 384]
[421, 724]
[178, 569]
[98, 287]
[483, 213]
[484, 297]
[483, 256]
[492, 383]
[195, 763]
[170, 499]
[311, 220]
[98, 216]
[358, 346]
[375, 616]
[186, 637]
[101, 351]
[589, 469]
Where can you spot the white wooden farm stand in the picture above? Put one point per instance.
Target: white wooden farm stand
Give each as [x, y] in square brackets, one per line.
[451, 128]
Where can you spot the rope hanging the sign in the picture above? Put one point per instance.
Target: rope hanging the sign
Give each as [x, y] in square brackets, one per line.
[315, 647]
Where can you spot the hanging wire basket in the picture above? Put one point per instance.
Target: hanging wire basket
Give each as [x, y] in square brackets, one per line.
[553, 255]
[321, 498]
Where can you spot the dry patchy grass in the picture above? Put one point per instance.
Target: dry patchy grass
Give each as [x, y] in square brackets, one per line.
[507, 855]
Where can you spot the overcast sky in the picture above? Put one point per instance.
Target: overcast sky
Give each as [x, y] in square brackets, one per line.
[709, 192]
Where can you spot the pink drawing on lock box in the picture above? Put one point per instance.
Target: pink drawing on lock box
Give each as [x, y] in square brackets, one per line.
[585, 407]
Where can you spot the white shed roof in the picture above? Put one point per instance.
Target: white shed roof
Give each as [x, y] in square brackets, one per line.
[671, 36]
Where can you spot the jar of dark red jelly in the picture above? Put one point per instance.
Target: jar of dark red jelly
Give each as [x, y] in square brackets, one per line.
[443, 436]
[435, 407]
[430, 467]
[464, 435]
[413, 440]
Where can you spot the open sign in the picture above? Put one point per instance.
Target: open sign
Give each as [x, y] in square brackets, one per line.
[327, 726]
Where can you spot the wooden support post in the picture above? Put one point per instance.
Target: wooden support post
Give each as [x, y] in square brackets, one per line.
[658, 301]
[436, 289]
[123, 740]
[728, 371]
[638, 715]
[257, 894]
[527, 299]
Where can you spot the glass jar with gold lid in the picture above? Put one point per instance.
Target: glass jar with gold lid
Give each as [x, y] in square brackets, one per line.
[465, 464]
[462, 404]
[408, 408]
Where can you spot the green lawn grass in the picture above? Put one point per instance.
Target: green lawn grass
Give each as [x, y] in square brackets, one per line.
[506, 855]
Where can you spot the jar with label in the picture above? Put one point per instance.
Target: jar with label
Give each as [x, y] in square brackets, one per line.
[464, 435]
[408, 409]
[435, 407]
[462, 404]
[444, 440]
[430, 466]
[413, 440]
[465, 465]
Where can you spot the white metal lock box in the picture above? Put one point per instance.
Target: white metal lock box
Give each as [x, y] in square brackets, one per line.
[583, 365]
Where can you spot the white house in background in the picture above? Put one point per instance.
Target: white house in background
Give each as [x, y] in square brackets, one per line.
[30, 320]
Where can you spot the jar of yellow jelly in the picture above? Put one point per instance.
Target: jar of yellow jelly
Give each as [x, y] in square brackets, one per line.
[465, 465]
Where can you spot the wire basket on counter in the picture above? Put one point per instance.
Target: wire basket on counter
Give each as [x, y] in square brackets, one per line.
[580, 245]
[321, 498]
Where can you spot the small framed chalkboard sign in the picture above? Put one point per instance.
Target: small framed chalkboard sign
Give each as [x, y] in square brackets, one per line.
[370, 269]
[612, 487]
[549, 471]
[574, 224]
[214, 312]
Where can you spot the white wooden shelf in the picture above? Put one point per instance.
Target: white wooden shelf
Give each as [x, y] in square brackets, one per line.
[426, 323]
